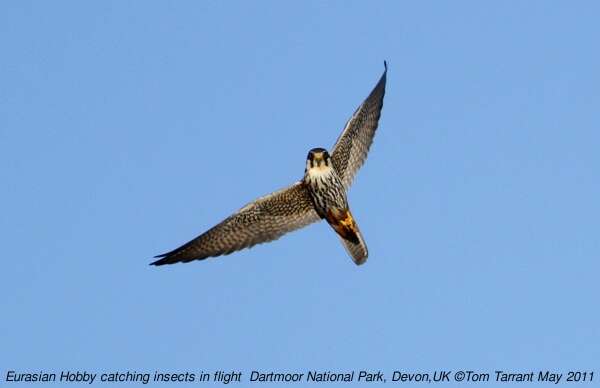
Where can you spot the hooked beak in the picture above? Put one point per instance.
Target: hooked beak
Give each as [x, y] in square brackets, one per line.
[318, 157]
[318, 160]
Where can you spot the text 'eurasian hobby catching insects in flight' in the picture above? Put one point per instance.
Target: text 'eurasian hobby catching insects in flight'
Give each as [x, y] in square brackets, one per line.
[321, 194]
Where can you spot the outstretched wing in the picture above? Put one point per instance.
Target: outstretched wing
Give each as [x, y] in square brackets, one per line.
[350, 150]
[263, 220]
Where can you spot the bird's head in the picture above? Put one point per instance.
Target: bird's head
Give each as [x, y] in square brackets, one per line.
[319, 158]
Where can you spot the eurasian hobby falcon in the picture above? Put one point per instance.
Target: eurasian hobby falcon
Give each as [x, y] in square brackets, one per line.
[321, 194]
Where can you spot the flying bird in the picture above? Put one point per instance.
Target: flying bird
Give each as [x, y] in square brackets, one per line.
[320, 194]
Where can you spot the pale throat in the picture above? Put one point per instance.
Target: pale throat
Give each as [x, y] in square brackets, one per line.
[321, 171]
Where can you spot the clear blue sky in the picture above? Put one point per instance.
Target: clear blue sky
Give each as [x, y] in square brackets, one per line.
[127, 128]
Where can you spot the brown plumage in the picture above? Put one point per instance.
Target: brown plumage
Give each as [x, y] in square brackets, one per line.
[320, 195]
[343, 223]
[265, 219]
[351, 149]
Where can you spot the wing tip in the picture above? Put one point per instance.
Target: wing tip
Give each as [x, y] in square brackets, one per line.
[162, 260]
[179, 256]
[383, 76]
[165, 258]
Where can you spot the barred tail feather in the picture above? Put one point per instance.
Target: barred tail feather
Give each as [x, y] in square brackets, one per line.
[345, 226]
[357, 250]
